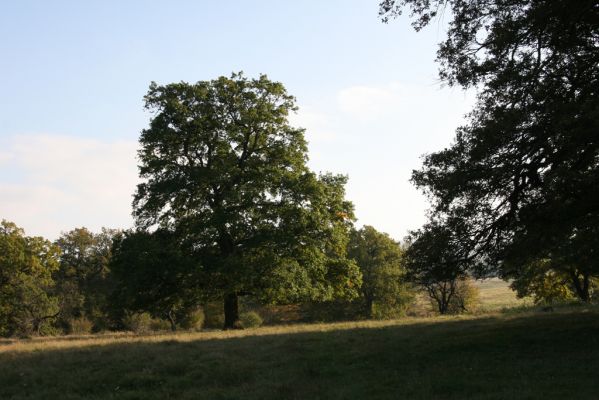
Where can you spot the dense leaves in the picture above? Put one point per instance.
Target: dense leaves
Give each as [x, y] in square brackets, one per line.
[385, 292]
[83, 280]
[152, 273]
[524, 171]
[27, 304]
[438, 259]
[225, 171]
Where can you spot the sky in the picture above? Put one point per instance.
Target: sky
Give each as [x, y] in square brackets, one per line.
[73, 75]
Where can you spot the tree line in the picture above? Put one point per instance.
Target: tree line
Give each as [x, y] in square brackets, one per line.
[87, 282]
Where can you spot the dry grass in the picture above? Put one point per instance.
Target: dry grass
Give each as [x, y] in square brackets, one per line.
[524, 355]
[71, 342]
[496, 294]
[498, 356]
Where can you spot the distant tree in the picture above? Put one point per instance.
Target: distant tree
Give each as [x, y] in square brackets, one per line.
[523, 172]
[549, 281]
[384, 282]
[153, 274]
[225, 171]
[26, 266]
[438, 259]
[83, 278]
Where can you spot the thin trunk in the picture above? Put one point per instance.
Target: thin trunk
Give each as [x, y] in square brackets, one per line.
[232, 312]
[443, 305]
[171, 319]
[582, 287]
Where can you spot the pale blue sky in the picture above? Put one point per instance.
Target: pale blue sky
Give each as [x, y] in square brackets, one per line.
[73, 75]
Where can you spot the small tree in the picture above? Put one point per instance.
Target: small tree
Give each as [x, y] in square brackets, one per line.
[384, 284]
[223, 169]
[438, 260]
[83, 281]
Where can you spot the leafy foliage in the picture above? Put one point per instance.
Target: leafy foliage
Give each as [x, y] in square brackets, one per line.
[223, 169]
[385, 292]
[438, 259]
[154, 274]
[83, 279]
[80, 326]
[251, 319]
[27, 305]
[548, 282]
[466, 298]
[523, 172]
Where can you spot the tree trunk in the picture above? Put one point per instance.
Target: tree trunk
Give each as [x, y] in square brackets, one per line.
[232, 312]
[171, 319]
[582, 287]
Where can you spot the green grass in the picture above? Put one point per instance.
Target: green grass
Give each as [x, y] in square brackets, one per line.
[496, 295]
[517, 356]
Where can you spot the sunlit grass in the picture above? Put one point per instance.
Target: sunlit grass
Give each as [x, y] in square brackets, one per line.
[531, 355]
[496, 294]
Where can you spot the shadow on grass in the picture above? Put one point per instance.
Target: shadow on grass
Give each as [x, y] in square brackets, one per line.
[548, 356]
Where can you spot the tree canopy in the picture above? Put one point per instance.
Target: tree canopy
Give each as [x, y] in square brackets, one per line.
[83, 281]
[523, 171]
[154, 274]
[27, 303]
[225, 171]
[384, 292]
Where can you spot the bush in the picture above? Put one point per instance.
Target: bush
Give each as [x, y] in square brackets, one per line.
[381, 310]
[466, 297]
[194, 320]
[138, 322]
[250, 319]
[332, 311]
[157, 324]
[214, 316]
[80, 326]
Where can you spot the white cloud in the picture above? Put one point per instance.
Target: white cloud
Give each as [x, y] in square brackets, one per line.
[317, 125]
[5, 157]
[53, 183]
[370, 102]
[380, 133]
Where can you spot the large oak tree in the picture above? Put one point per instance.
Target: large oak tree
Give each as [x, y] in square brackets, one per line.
[225, 171]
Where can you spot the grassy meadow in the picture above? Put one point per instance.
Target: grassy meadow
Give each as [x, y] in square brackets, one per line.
[523, 355]
[495, 295]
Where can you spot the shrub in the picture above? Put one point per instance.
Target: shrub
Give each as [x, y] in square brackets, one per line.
[137, 322]
[466, 297]
[214, 317]
[157, 324]
[332, 311]
[250, 319]
[383, 310]
[80, 326]
[194, 320]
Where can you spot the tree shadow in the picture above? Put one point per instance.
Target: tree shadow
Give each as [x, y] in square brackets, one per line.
[540, 356]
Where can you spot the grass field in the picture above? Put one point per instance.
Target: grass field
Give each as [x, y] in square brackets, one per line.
[498, 356]
[496, 295]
